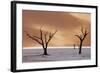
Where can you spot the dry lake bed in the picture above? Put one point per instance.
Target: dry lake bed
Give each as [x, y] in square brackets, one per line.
[55, 54]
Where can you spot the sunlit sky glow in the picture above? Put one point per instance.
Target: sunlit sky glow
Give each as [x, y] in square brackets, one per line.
[67, 25]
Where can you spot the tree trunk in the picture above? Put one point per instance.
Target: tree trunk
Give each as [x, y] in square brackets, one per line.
[45, 51]
[80, 48]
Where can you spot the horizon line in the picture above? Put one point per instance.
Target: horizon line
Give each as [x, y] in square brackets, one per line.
[55, 47]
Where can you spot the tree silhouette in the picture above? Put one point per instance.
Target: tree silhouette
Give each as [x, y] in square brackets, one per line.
[43, 40]
[74, 46]
[81, 38]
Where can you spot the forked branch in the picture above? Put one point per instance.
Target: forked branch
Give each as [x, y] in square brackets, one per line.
[43, 40]
[81, 38]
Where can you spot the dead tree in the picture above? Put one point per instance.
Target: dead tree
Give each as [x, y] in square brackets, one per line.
[43, 40]
[81, 38]
[74, 46]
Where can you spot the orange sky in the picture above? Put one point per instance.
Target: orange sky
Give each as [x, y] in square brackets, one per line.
[67, 25]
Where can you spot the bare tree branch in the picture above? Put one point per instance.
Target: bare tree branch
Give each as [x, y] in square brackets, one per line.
[85, 36]
[78, 36]
[33, 38]
[37, 37]
[43, 40]
[45, 36]
[41, 37]
[82, 37]
[50, 36]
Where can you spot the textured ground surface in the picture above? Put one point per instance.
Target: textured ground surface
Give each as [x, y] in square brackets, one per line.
[35, 55]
